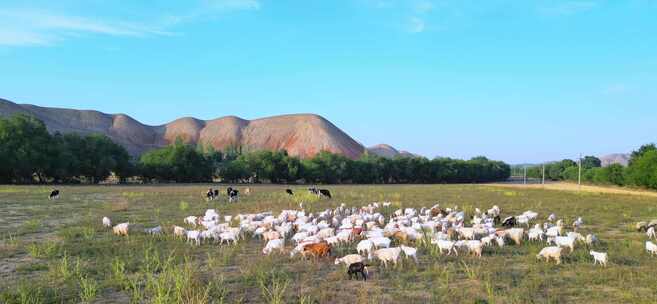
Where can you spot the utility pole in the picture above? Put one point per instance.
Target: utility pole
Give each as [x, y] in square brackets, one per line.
[579, 174]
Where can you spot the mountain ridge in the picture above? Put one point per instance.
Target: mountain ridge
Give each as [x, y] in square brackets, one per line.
[302, 135]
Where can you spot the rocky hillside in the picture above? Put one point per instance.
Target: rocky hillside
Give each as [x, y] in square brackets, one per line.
[388, 151]
[616, 158]
[301, 135]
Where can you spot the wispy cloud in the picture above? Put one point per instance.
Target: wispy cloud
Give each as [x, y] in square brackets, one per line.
[417, 25]
[423, 6]
[232, 5]
[36, 27]
[568, 8]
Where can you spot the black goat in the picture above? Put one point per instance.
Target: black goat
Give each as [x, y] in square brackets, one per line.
[355, 269]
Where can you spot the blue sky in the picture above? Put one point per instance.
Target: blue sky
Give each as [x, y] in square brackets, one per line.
[519, 81]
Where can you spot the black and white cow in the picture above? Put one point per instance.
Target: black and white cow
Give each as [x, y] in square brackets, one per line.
[324, 193]
[54, 194]
[233, 196]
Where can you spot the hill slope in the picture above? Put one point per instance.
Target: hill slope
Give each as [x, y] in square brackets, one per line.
[302, 135]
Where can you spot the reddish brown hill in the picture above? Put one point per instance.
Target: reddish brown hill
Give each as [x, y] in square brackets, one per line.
[301, 135]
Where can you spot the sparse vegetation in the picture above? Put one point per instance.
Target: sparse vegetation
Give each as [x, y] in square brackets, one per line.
[75, 260]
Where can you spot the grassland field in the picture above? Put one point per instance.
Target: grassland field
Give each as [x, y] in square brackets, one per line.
[58, 252]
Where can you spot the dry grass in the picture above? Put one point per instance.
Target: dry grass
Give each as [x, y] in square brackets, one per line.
[563, 186]
[67, 256]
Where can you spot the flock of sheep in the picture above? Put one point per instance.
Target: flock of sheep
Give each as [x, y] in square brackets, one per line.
[314, 235]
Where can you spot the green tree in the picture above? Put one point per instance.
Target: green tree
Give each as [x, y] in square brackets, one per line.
[589, 162]
[24, 142]
[643, 170]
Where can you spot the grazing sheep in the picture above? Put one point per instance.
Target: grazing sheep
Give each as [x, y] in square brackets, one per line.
[651, 248]
[381, 242]
[551, 252]
[229, 237]
[474, 247]
[564, 241]
[365, 246]
[107, 222]
[386, 255]
[154, 231]
[446, 245]
[191, 220]
[410, 252]
[500, 241]
[599, 257]
[355, 269]
[121, 229]
[591, 239]
[271, 235]
[194, 235]
[651, 233]
[179, 231]
[349, 259]
[272, 245]
[515, 234]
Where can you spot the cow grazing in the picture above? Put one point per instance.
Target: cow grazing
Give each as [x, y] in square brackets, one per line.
[54, 194]
[324, 193]
[289, 192]
[216, 193]
[209, 195]
[355, 269]
[229, 190]
[233, 196]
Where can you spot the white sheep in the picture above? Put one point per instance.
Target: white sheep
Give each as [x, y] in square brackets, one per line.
[365, 247]
[474, 247]
[551, 252]
[274, 244]
[107, 222]
[194, 235]
[564, 241]
[651, 248]
[121, 229]
[599, 257]
[591, 239]
[500, 241]
[381, 242]
[386, 255]
[179, 231]
[515, 234]
[228, 236]
[410, 252]
[651, 233]
[349, 259]
[191, 220]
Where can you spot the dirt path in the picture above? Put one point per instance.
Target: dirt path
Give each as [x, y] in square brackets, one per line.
[575, 188]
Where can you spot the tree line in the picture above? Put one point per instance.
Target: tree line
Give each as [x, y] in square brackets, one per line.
[640, 172]
[31, 154]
